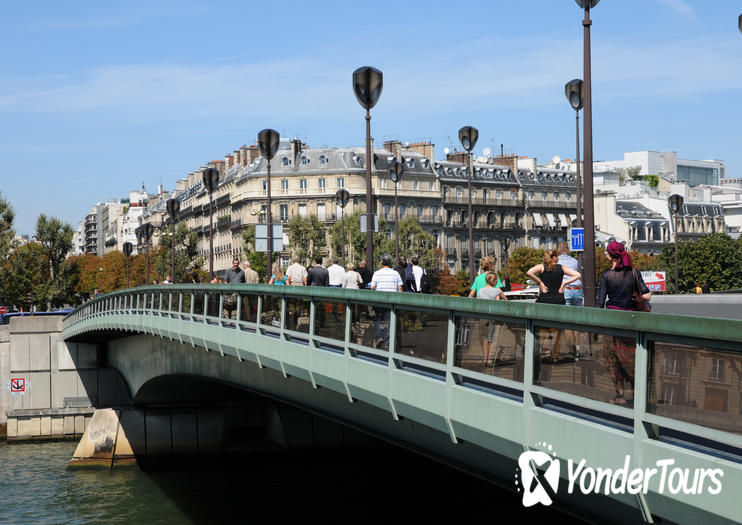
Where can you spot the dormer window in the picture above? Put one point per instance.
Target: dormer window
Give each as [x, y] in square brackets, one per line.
[285, 162]
[410, 163]
[426, 163]
[323, 159]
[356, 160]
[305, 161]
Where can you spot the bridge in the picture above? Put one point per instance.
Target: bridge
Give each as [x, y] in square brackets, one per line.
[418, 371]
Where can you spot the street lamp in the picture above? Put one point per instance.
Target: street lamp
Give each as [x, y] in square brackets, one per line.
[675, 202]
[127, 252]
[173, 207]
[341, 198]
[588, 282]
[395, 171]
[367, 85]
[573, 91]
[147, 231]
[210, 179]
[468, 137]
[268, 140]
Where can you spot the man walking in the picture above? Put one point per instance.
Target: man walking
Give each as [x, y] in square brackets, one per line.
[336, 274]
[417, 273]
[365, 273]
[232, 276]
[573, 292]
[385, 280]
[318, 275]
[251, 276]
[296, 272]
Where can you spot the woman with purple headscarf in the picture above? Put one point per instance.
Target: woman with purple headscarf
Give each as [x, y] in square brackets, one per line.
[617, 286]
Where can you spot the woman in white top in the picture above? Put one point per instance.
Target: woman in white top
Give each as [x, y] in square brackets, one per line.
[352, 278]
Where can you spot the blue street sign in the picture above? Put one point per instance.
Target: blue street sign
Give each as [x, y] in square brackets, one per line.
[577, 239]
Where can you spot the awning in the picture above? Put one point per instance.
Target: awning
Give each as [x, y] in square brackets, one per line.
[564, 220]
[537, 219]
[550, 219]
[572, 218]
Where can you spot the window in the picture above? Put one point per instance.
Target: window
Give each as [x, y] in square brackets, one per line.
[284, 212]
[302, 210]
[717, 369]
[383, 184]
[568, 197]
[305, 161]
[284, 184]
[459, 193]
[323, 159]
[556, 196]
[303, 184]
[484, 195]
[513, 195]
[530, 195]
[435, 214]
[265, 185]
[431, 185]
[321, 183]
[402, 209]
[321, 211]
[285, 162]
[419, 212]
[415, 185]
[386, 211]
[341, 182]
[543, 195]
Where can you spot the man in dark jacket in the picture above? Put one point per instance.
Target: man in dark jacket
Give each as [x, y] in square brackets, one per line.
[365, 273]
[405, 272]
[318, 275]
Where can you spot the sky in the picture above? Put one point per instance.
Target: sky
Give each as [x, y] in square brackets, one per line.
[97, 98]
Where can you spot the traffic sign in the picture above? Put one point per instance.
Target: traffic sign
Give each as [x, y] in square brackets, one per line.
[3, 310]
[364, 223]
[577, 239]
[17, 385]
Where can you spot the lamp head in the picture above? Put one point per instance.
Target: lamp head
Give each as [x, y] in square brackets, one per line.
[128, 248]
[675, 202]
[587, 4]
[740, 23]
[468, 136]
[367, 85]
[573, 91]
[268, 140]
[341, 197]
[210, 178]
[173, 207]
[395, 170]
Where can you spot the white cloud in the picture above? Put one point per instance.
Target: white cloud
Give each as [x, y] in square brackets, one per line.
[681, 8]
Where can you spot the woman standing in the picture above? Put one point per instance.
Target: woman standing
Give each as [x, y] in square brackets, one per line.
[352, 278]
[616, 291]
[278, 277]
[551, 284]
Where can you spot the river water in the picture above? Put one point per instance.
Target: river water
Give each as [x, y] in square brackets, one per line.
[36, 487]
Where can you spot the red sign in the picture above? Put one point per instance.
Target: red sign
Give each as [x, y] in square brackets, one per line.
[17, 385]
[655, 281]
[3, 310]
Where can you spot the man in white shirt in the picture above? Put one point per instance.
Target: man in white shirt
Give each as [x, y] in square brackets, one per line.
[384, 280]
[297, 273]
[418, 272]
[336, 274]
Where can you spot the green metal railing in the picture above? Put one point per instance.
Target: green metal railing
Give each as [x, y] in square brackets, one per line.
[680, 375]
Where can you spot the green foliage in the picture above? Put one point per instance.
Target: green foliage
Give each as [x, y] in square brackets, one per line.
[186, 251]
[414, 241]
[715, 259]
[24, 272]
[521, 260]
[355, 240]
[56, 238]
[463, 286]
[653, 180]
[258, 260]
[7, 234]
[306, 237]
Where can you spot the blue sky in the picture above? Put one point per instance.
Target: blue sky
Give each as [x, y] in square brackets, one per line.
[98, 97]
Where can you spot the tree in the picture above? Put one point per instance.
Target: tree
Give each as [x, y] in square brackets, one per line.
[186, 252]
[258, 260]
[56, 238]
[414, 241]
[521, 260]
[714, 259]
[306, 237]
[7, 234]
[25, 275]
[355, 239]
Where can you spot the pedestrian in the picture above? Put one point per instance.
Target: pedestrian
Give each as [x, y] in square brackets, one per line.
[572, 297]
[365, 273]
[417, 274]
[402, 269]
[616, 292]
[550, 278]
[296, 272]
[234, 274]
[251, 276]
[336, 274]
[493, 292]
[351, 279]
[384, 280]
[278, 277]
[155, 281]
[486, 265]
[318, 275]
[167, 280]
[705, 288]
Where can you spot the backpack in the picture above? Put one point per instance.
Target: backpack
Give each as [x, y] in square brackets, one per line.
[425, 285]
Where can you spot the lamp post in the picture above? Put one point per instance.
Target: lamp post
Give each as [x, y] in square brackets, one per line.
[268, 142]
[573, 91]
[173, 207]
[147, 230]
[341, 198]
[210, 179]
[127, 252]
[588, 282]
[740, 23]
[675, 202]
[395, 171]
[468, 137]
[367, 85]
